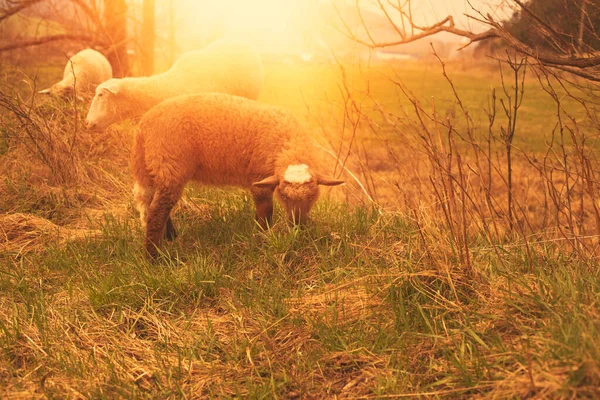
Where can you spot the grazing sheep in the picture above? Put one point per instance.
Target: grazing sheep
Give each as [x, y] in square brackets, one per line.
[83, 72]
[219, 139]
[225, 66]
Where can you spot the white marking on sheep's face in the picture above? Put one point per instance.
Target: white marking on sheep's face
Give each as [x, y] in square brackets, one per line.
[298, 173]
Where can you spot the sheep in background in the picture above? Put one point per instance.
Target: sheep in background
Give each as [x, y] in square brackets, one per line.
[225, 66]
[83, 73]
[219, 139]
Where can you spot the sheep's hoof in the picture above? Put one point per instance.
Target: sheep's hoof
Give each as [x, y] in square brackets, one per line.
[151, 253]
[170, 231]
[263, 222]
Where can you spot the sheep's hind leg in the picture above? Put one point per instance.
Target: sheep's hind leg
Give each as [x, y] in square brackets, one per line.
[263, 201]
[143, 197]
[158, 219]
[170, 231]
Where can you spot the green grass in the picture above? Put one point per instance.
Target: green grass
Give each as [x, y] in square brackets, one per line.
[350, 305]
[315, 91]
[363, 302]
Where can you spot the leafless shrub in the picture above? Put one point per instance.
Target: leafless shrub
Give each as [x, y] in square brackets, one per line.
[51, 165]
[48, 132]
[460, 185]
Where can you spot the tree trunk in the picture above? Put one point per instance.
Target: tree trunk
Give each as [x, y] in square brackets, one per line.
[115, 19]
[172, 46]
[148, 37]
[581, 26]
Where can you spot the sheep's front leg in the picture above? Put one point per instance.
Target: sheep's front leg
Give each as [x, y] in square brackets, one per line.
[263, 201]
[158, 219]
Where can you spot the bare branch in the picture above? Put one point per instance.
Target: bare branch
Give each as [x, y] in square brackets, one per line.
[400, 33]
[91, 13]
[18, 7]
[567, 57]
[46, 39]
[362, 21]
[425, 32]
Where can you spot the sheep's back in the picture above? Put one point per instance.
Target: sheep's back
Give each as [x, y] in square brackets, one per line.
[225, 67]
[216, 138]
[89, 67]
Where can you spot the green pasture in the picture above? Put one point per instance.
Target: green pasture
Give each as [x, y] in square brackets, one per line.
[362, 303]
[317, 91]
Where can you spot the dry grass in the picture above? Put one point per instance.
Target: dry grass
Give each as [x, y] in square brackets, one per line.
[425, 292]
[21, 233]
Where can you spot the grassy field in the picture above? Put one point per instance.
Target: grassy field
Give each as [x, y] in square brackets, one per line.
[416, 294]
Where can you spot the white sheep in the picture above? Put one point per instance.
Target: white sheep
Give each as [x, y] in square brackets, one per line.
[219, 139]
[225, 66]
[83, 73]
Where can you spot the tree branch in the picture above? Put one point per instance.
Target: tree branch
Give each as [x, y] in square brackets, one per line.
[567, 61]
[20, 6]
[46, 39]
[92, 14]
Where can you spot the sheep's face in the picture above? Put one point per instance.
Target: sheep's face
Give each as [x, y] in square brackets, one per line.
[62, 90]
[67, 92]
[104, 109]
[297, 190]
[297, 199]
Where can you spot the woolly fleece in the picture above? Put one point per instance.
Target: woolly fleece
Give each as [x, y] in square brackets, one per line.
[218, 139]
[225, 66]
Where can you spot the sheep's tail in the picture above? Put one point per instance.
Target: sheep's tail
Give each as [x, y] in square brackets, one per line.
[138, 160]
[143, 190]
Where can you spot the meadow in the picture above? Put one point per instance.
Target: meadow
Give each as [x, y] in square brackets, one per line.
[416, 279]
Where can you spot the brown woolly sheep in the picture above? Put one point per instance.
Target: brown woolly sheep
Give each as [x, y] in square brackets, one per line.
[225, 66]
[219, 139]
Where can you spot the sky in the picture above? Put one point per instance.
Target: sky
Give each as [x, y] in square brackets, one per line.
[427, 12]
[437, 9]
[274, 25]
[432, 11]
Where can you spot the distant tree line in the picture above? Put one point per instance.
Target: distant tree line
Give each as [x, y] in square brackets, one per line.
[560, 26]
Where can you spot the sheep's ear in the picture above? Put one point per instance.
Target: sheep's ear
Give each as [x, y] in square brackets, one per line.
[268, 183]
[328, 181]
[112, 87]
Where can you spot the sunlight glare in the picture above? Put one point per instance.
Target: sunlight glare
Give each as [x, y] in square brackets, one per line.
[272, 25]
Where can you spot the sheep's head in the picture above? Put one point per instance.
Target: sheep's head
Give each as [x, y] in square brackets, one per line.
[62, 90]
[105, 108]
[297, 189]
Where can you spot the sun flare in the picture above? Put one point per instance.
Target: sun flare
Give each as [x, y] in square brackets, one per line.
[272, 25]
